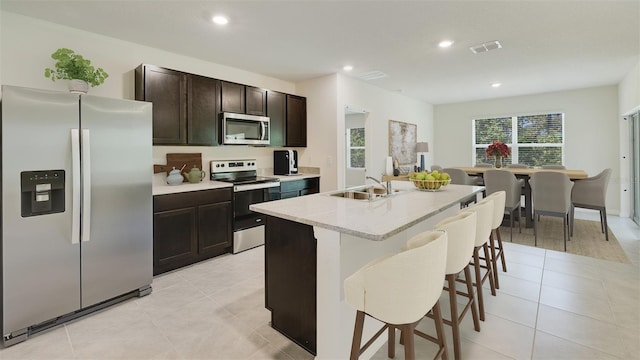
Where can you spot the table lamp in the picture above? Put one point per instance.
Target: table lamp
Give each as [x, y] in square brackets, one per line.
[422, 147]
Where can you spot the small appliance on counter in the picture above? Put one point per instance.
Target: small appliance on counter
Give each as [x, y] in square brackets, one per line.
[285, 162]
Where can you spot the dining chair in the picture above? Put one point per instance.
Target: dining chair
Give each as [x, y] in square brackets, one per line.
[518, 166]
[551, 195]
[436, 167]
[497, 180]
[399, 290]
[461, 235]
[557, 167]
[591, 193]
[484, 225]
[460, 177]
[483, 165]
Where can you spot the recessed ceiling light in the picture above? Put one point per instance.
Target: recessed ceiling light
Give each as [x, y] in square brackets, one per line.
[220, 20]
[495, 85]
[347, 68]
[445, 43]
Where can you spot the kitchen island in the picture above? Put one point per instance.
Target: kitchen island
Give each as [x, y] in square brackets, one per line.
[314, 242]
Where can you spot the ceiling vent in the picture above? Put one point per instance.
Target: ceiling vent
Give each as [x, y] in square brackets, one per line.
[488, 46]
[371, 75]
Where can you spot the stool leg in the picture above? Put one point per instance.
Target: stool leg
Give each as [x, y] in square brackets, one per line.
[437, 317]
[391, 343]
[476, 267]
[357, 336]
[472, 299]
[409, 348]
[488, 262]
[455, 327]
[501, 252]
[494, 260]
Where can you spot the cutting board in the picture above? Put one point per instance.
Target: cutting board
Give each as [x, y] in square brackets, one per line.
[177, 160]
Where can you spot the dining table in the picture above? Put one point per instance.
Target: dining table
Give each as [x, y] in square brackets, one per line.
[525, 173]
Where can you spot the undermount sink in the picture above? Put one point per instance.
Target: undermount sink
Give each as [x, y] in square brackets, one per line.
[363, 193]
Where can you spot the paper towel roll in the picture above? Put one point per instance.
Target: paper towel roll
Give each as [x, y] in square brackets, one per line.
[389, 166]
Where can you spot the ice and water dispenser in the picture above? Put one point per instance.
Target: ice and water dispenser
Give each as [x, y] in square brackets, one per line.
[42, 192]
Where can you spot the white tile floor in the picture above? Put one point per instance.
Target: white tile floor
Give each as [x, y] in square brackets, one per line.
[550, 305]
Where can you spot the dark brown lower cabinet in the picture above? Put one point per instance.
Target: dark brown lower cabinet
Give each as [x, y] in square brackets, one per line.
[191, 227]
[290, 280]
[295, 188]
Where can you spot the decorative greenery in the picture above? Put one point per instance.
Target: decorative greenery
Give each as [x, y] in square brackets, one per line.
[498, 148]
[71, 66]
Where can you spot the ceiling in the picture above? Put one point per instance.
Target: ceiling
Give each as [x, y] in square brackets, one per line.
[547, 45]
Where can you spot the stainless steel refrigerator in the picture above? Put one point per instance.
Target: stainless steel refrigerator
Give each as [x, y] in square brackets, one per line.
[76, 206]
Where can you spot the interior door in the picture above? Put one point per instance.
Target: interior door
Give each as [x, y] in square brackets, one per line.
[117, 232]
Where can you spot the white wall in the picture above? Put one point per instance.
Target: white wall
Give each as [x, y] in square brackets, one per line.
[629, 91]
[591, 129]
[382, 106]
[27, 43]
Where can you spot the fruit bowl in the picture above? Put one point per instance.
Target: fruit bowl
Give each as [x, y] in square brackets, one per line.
[430, 185]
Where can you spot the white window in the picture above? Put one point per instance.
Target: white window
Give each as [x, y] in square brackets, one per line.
[355, 148]
[534, 140]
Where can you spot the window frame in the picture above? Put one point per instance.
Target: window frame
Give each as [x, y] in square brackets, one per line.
[513, 144]
[349, 147]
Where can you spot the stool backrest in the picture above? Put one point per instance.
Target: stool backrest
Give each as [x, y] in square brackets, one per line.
[484, 221]
[461, 232]
[499, 198]
[401, 288]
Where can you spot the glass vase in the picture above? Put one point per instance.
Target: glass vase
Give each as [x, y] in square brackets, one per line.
[497, 162]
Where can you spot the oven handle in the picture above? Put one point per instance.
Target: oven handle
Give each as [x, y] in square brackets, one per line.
[247, 187]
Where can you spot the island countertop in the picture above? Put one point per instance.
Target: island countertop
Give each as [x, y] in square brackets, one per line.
[374, 220]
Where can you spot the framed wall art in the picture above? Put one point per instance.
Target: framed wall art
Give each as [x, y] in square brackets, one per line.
[402, 142]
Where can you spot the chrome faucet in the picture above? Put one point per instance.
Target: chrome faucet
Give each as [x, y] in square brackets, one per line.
[388, 186]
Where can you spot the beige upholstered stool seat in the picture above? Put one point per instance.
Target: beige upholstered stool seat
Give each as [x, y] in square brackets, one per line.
[399, 290]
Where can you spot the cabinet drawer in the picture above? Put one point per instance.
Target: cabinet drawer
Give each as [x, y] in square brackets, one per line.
[192, 198]
[298, 185]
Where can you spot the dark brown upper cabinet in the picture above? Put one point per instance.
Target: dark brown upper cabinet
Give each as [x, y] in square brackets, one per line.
[232, 97]
[167, 90]
[202, 119]
[277, 113]
[256, 101]
[184, 105]
[296, 133]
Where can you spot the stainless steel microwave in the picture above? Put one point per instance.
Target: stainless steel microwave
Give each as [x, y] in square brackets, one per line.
[245, 129]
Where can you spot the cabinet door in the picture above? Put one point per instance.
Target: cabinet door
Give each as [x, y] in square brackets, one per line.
[277, 113]
[202, 110]
[296, 121]
[166, 89]
[174, 239]
[214, 228]
[232, 97]
[256, 101]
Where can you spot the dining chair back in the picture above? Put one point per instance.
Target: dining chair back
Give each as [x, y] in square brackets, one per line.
[591, 193]
[551, 195]
[518, 166]
[436, 167]
[557, 167]
[399, 290]
[497, 180]
[486, 165]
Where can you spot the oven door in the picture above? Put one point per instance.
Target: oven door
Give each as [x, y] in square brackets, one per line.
[248, 226]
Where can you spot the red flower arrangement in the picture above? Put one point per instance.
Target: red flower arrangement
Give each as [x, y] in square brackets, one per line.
[498, 148]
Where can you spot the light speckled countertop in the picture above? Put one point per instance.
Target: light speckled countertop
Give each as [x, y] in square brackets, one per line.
[375, 220]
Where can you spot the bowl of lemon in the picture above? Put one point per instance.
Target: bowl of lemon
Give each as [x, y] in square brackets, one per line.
[430, 181]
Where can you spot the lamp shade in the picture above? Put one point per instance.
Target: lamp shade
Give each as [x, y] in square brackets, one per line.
[422, 147]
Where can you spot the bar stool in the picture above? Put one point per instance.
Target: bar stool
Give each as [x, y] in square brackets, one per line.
[461, 232]
[499, 198]
[399, 290]
[484, 223]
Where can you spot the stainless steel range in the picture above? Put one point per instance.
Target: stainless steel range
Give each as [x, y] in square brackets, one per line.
[248, 188]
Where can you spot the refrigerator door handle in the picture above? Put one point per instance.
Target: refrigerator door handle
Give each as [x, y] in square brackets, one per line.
[86, 185]
[75, 186]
